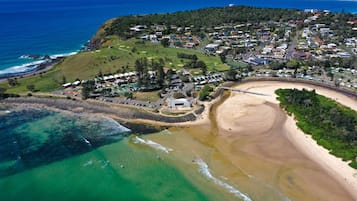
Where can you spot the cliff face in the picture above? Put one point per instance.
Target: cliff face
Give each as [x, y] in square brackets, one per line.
[96, 41]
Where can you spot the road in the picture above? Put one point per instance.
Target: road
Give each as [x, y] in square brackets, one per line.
[291, 47]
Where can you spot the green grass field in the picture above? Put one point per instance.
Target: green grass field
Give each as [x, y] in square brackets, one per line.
[86, 65]
[236, 64]
[151, 96]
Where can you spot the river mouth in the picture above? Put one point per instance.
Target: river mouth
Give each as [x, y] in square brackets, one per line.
[46, 153]
[246, 142]
[241, 153]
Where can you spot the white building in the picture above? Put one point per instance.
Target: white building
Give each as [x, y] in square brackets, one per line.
[181, 102]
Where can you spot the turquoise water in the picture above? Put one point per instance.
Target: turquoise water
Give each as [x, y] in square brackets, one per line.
[32, 137]
[48, 155]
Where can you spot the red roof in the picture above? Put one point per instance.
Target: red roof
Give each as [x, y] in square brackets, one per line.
[319, 41]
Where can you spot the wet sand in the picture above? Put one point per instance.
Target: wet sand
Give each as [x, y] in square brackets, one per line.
[251, 142]
[256, 128]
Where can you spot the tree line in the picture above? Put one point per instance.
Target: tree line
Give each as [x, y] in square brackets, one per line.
[332, 125]
[142, 67]
[207, 17]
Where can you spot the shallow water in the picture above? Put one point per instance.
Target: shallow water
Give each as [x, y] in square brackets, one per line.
[32, 137]
[48, 155]
[66, 156]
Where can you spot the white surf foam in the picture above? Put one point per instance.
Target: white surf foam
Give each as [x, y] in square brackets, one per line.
[25, 57]
[22, 68]
[55, 56]
[152, 144]
[116, 125]
[87, 141]
[32, 65]
[203, 168]
[166, 132]
[90, 162]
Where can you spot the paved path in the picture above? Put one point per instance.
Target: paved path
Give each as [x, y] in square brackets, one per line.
[243, 91]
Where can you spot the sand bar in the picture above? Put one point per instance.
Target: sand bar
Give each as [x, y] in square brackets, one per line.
[235, 116]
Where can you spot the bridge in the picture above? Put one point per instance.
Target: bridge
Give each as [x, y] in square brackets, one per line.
[244, 91]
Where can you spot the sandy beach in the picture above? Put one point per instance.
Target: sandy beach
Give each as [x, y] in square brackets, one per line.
[248, 139]
[258, 127]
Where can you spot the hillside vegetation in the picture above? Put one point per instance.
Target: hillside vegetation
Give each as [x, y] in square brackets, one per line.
[115, 56]
[117, 53]
[332, 125]
[202, 18]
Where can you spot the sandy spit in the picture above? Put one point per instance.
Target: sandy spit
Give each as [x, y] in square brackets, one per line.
[239, 105]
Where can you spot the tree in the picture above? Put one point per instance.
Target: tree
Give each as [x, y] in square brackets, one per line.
[142, 68]
[87, 88]
[12, 82]
[178, 95]
[100, 73]
[231, 75]
[250, 68]
[139, 69]
[160, 74]
[146, 76]
[3, 92]
[31, 87]
[223, 58]
[202, 65]
[204, 92]
[64, 80]
[276, 65]
[128, 94]
[165, 42]
[293, 64]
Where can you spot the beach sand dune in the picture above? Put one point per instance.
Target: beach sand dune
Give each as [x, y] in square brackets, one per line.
[257, 136]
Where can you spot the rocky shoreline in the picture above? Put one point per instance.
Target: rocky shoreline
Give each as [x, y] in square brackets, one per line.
[115, 111]
[48, 63]
[43, 67]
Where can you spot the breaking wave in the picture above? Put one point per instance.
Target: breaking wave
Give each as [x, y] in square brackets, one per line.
[27, 67]
[203, 168]
[152, 144]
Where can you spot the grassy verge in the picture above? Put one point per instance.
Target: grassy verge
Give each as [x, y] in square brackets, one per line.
[236, 64]
[332, 125]
[151, 96]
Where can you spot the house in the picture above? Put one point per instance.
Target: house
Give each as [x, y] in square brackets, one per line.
[331, 46]
[76, 83]
[67, 85]
[189, 45]
[211, 47]
[138, 28]
[257, 61]
[302, 55]
[181, 102]
[310, 10]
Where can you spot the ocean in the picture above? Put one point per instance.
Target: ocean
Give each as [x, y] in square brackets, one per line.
[61, 27]
[53, 155]
[47, 155]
